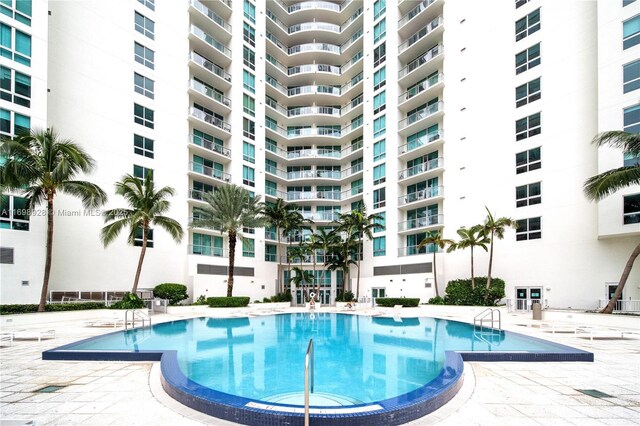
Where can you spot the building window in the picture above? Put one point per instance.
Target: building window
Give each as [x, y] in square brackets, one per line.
[528, 25]
[14, 213]
[631, 32]
[521, 3]
[138, 238]
[379, 198]
[631, 160]
[12, 123]
[631, 74]
[149, 3]
[379, 172]
[249, 34]
[270, 188]
[527, 161]
[248, 247]
[528, 59]
[143, 55]
[248, 152]
[379, 102]
[143, 85]
[248, 81]
[141, 172]
[15, 87]
[379, 150]
[632, 119]
[381, 220]
[20, 10]
[380, 54]
[380, 78]
[379, 246]
[250, 11]
[143, 115]
[143, 146]
[379, 8]
[207, 245]
[529, 229]
[379, 30]
[528, 195]
[379, 126]
[528, 92]
[632, 209]
[627, 2]
[144, 25]
[270, 253]
[248, 105]
[248, 176]
[15, 45]
[248, 129]
[528, 127]
[249, 57]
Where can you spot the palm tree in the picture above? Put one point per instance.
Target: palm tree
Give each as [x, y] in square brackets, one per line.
[338, 262]
[40, 164]
[435, 238]
[357, 225]
[293, 223]
[275, 215]
[602, 185]
[300, 278]
[230, 209]
[470, 238]
[495, 228]
[323, 241]
[146, 208]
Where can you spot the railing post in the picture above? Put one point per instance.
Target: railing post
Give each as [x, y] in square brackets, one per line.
[308, 381]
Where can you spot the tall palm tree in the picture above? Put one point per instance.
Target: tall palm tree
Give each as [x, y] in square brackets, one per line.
[495, 227]
[470, 238]
[606, 183]
[275, 215]
[357, 225]
[300, 279]
[230, 209]
[323, 241]
[293, 223]
[338, 262]
[435, 238]
[40, 165]
[146, 210]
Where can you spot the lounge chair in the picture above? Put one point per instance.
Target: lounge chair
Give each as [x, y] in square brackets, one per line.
[605, 333]
[6, 337]
[34, 335]
[105, 322]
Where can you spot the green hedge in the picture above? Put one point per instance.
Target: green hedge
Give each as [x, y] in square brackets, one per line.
[390, 302]
[175, 293]
[459, 292]
[25, 309]
[227, 302]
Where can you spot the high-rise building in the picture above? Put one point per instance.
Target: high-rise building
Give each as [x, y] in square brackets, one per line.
[407, 108]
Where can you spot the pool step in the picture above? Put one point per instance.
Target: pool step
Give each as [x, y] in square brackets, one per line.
[317, 399]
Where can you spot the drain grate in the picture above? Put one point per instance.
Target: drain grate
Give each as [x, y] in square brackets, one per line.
[51, 388]
[595, 393]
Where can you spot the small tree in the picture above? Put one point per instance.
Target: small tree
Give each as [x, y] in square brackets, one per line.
[495, 227]
[275, 215]
[470, 238]
[435, 238]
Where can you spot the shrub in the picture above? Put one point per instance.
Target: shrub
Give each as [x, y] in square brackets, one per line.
[345, 296]
[202, 300]
[227, 302]
[175, 293]
[266, 300]
[281, 297]
[436, 301]
[129, 301]
[389, 302]
[459, 292]
[28, 308]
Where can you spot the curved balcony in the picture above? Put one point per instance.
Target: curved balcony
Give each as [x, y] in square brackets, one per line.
[420, 171]
[208, 16]
[321, 156]
[412, 20]
[206, 69]
[211, 120]
[420, 118]
[314, 26]
[433, 221]
[427, 194]
[352, 66]
[205, 42]
[210, 172]
[313, 68]
[426, 63]
[313, 47]
[420, 145]
[205, 92]
[314, 5]
[412, 97]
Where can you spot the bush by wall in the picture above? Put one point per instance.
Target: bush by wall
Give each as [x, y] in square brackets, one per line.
[175, 293]
[227, 302]
[24, 309]
[281, 297]
[129, 301]
[390, 302]
[459, 292]
[346, 296]
[436, 301]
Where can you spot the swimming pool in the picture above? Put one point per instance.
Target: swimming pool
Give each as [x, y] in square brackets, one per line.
[366, 368]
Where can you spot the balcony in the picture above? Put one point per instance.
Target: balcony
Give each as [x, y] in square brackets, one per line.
[208, 251]
[211, 120]
[197, 195]
[420, 40]
[210, 147]
[210, 172]
[431, 193]
[407, 24]
[205, 92]
[419, 171]
[417, 94]
[203, 41]
[208, 16]
[421, 145]
[413, 251]
[427, 62]
[433, 221]
[210, 68]
[313, 195]
[420, 118]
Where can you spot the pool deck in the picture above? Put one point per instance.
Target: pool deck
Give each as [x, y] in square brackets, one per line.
[493, 393]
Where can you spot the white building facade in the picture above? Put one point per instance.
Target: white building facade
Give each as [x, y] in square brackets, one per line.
[407, 107]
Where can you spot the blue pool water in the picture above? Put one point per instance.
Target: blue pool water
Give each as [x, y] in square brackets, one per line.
[358, 359]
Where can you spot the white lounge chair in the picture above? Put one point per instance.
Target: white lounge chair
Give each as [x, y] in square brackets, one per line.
[605, 333]
[105, 322]
[34, 335]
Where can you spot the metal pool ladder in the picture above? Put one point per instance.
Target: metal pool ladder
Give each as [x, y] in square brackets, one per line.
[308, 380]
[135, 313]
[488, 316]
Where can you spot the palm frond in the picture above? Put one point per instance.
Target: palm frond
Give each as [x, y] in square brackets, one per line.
[89, 193]
[627, 142]
[172, 226]
[602, 185]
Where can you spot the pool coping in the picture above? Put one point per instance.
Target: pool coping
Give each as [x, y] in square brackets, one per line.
[392, 411]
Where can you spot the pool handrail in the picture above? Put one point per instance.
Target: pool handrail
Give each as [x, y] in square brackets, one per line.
[308, 381]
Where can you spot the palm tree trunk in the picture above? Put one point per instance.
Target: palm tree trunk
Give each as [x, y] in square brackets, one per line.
[315, 283]
[280, 279]
[623, 280]
[47, 264]
[358, 278]
[142, 253]
[435, 276]
[473, 282]
[490, 265]
[232, 262]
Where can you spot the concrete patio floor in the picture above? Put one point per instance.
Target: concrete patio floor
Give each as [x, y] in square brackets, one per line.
[494, 393]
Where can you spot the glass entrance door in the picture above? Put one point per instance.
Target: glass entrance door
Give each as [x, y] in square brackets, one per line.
[325, 296]
[521, 299]
[535, 295]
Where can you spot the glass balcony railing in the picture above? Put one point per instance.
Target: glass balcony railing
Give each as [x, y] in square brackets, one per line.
[208, 118]
[421, 60]
[211, 41]
[413, 250]
[210, 93]
[421, 114]
[354, 38]
[310, 5]
[421, 168]
[421, 87]
[211, 15]
[196, 194]
[421, 141]
[421, 222]
[314, 26]
[205, 63]
[275, 171]
[414, 12]
[352, 18]
[427, 29]
[209, 171]
[314, 47]
[425, 194]
[211, 146]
